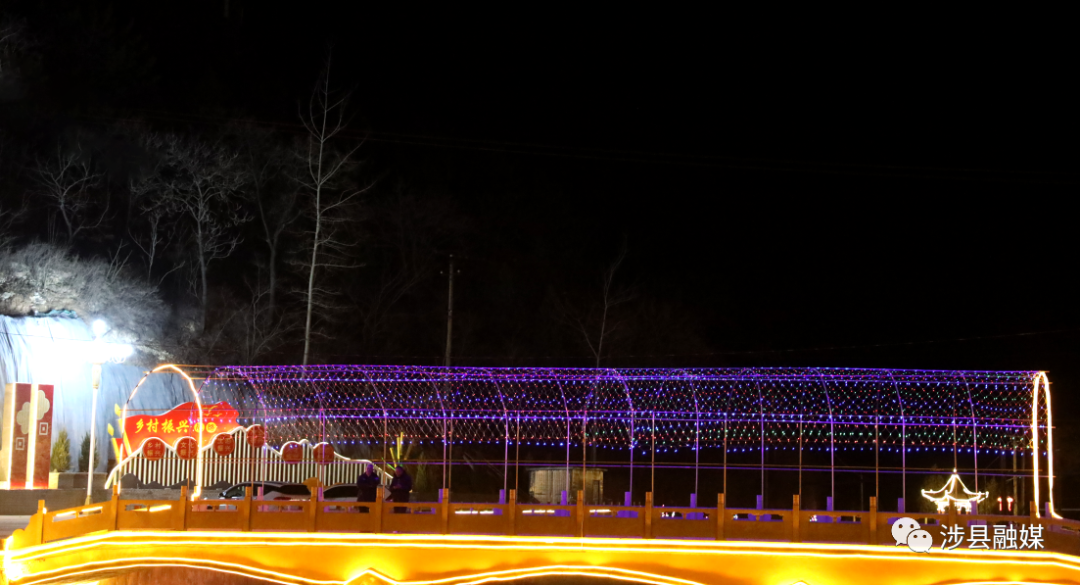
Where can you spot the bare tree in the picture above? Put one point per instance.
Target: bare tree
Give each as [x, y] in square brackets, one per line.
[8, 219]
[323, 180]
[154, 240]
[14, 39]
[275, 198]
[67, 178]
[258, 330]
[407, 231]
[199, 183]
[598, 323]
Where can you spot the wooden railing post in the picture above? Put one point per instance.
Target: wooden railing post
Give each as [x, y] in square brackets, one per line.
[313, 506]
[796, 513]
[511, 511]
[721, 516]
[376, 525]
[115, 507]
[581, 512]
[444, 508]
[873, 520]
[180, 516]
[39, 530]
[1033, 509]
[648, 514]
[245, 514]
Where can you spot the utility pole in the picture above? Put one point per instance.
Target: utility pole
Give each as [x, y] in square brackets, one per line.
[450, 313]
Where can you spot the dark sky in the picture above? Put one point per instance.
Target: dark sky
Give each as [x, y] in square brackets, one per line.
[846, 183]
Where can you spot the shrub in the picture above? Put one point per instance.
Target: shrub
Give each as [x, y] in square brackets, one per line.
[61, 453]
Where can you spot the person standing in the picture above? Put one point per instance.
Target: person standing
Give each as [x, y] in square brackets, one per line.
[400, 487]
[367, 486]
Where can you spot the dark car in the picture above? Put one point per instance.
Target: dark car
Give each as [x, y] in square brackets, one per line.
[271, 491]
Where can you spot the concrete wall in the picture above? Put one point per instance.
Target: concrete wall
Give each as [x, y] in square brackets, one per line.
[24, 502]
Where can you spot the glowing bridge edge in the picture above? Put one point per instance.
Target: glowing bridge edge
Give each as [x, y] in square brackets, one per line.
[471, 579]
[14, 561]
[197, 480]
[824, 550]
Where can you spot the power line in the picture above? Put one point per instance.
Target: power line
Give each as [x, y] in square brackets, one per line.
[720, 162]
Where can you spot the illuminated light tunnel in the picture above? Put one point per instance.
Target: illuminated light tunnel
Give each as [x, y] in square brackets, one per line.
[716, 411]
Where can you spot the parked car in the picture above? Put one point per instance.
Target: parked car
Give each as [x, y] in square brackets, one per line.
[271, 491]
[345, 492]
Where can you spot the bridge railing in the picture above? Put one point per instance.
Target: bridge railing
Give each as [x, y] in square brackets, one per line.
[446, 517]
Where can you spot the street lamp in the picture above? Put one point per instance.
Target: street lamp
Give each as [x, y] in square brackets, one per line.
[100, 352]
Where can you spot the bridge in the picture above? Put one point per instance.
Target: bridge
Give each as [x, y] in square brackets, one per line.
[314, 542]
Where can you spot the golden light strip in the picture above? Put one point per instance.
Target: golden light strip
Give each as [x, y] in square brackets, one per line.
[533, 544]
[487, 542]
[198, 404]
[470, 579]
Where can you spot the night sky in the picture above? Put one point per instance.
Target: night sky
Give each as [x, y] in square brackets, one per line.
[807, 194]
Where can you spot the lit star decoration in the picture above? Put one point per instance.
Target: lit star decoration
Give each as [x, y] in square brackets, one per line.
[956, 492]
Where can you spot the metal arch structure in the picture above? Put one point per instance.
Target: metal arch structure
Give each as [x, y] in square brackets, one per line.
[196, 394]
[834, 409]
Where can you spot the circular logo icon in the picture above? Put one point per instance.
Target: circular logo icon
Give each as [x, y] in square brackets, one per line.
[153, 449]
[187, 448]
[224, 445]
[324, 453]
[256, 436]
[292, 452]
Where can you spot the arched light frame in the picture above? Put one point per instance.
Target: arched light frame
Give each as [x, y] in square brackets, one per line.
[198, 404]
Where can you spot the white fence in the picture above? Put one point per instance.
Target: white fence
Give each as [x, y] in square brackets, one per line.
[245, 463]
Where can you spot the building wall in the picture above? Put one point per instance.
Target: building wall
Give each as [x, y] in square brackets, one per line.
[48, 350]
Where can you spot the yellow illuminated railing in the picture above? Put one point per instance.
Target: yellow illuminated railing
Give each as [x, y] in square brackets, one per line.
[511, 519]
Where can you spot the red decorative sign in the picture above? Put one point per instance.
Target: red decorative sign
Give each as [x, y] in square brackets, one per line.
[27, 442]
[182, 421]
[292, 452]
[153, 449]
[324, 453]
[256, 436]
[187, 448]
[224, 445]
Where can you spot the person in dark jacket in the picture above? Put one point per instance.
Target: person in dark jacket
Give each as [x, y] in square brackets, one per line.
[367, 486]
[400, 487]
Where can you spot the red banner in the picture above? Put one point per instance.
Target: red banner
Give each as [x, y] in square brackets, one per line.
[182, 421]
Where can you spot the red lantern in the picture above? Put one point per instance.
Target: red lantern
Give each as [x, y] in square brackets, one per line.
[224, 445]
[153, 449]
[324, 453]
[187, 448]
[292, 452]
[256, 436]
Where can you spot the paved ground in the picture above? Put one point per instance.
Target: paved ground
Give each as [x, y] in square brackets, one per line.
[9, 524]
